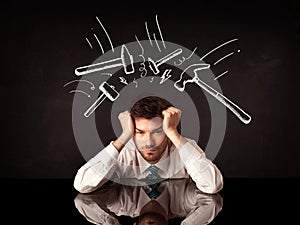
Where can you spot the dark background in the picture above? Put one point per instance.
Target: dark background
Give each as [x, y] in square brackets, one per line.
[41, 45]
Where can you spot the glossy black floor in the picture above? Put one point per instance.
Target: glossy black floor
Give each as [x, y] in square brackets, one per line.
[245, 201]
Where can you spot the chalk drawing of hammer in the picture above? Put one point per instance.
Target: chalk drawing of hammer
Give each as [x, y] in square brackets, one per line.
[154, 65]
[185, 78]
[108, 91]
[126, 60]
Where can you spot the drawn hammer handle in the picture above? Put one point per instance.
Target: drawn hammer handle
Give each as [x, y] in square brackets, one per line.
[242, 115]
[92, 108]
[108, 91]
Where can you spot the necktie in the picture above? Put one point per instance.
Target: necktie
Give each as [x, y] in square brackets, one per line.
[153, 173]
[154, 193]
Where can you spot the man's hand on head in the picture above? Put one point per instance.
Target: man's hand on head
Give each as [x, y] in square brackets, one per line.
[171, 119]
[127, 130]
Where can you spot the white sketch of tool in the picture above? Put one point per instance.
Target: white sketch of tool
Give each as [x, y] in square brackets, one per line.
[154, 65]
[166, 75]
[126, 60]
[185, 78]
[107, 91]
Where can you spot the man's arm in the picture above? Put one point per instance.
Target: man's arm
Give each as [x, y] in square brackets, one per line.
[97, 170]
[101, 167]
[203, 171]
[207, 176]
[93, 206]
[127, 130]
[203, 208]
[171, 119]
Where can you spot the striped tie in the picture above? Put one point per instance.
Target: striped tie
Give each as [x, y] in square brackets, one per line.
[153, 173]
[154, 193]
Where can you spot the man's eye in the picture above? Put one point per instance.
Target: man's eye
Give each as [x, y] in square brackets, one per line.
[157, 131]
[138, 132]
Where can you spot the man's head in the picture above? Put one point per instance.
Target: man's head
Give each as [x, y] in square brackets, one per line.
[151, 219]
[149, 107]
[149, 136]
[152, 213]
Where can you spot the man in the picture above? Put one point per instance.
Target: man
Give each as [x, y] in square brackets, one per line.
[179, 201]
[150, 137]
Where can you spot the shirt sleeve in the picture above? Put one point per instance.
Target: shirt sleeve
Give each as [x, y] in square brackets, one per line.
[204, 208]
[203, 171]
[97, 171]
[93, 206]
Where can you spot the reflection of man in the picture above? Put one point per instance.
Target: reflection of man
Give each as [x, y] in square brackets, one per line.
[178, 198]
[150, 137]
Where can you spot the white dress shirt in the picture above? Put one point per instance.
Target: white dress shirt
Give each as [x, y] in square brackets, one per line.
[180, 198]
[128, 165]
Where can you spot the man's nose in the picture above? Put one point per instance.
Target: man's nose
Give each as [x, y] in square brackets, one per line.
[149, 139]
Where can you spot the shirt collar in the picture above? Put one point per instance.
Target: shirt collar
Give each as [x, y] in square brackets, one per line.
[162, 199]
[162, 164]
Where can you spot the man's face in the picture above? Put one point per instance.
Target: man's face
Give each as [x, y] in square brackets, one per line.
[152, 219]
[149, 138]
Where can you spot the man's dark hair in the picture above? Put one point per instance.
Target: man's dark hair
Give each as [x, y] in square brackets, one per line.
[149, 107]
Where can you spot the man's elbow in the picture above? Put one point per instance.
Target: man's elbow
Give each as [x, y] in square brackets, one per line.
[217, 187]
[211, 188]
[78, 186]
[83, 190]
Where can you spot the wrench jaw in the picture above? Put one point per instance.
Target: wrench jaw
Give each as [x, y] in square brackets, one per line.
[153, 66]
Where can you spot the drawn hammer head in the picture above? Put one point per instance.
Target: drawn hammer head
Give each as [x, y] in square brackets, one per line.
[180, 84]
[127, 60]
[153, 66]
[185, 76]
[109, 91]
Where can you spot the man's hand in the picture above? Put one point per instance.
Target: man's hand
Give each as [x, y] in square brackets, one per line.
[171, 120]
[127, 130]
